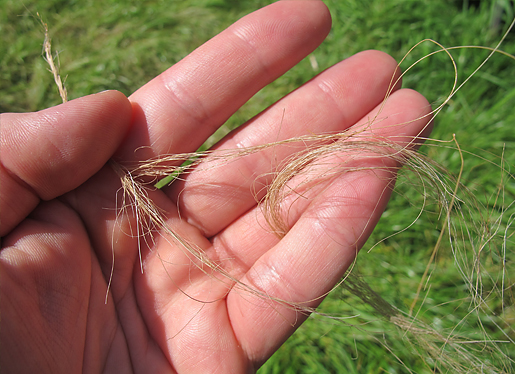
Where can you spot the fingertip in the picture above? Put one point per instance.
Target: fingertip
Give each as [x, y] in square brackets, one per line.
[53, 151]
[110, 104]
[387, 63]
[308, 20]
[112, 97]
[407, 118]
[318, 13]
[426, 116]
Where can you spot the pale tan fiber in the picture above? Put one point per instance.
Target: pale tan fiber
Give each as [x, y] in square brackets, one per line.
[49, 58]
[318, 163]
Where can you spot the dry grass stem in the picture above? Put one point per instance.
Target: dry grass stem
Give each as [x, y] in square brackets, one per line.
[49, 58]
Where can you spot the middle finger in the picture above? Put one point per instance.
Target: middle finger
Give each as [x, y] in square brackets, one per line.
[333, 101]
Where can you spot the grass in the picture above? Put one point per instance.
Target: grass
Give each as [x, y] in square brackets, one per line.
[110, 44]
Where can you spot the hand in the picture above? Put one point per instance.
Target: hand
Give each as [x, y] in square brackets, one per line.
[60, 225]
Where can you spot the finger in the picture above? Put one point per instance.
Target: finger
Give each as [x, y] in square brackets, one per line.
[180, 108]
[176, 111]
[329, 224]
[331, 102]
[249, 237]
[48, 153]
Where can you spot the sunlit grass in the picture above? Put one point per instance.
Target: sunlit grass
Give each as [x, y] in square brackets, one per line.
[108, 44]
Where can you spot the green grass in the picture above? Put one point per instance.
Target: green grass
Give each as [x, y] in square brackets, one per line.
[112, 44]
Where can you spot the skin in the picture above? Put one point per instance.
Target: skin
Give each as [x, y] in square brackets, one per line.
[59, 223]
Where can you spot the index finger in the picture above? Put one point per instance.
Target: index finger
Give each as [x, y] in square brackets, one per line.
[178, 110]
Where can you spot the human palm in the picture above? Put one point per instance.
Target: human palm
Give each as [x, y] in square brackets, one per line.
[61, 226]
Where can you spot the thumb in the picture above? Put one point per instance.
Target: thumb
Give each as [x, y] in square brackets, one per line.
[48, 153]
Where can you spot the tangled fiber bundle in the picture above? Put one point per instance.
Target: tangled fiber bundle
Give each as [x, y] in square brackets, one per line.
[473, 237]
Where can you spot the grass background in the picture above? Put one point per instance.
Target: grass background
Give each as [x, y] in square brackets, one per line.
[113, 44]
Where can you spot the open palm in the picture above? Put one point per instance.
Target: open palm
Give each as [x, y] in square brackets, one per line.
[60, 223]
